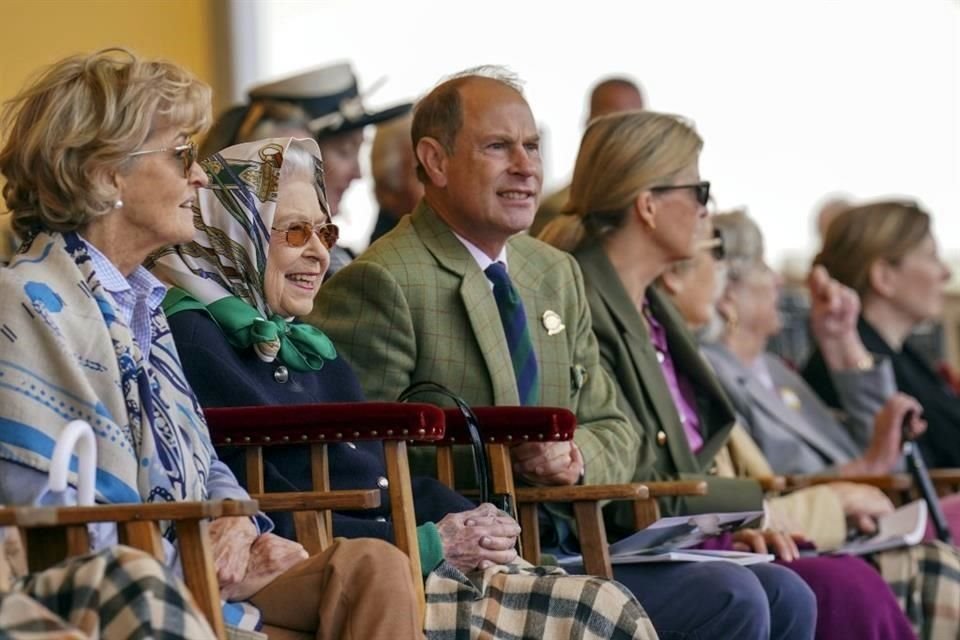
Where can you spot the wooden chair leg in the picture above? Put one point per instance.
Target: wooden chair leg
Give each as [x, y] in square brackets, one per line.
[402, 513]
[645, 513]
[254, 459]
[199, 573]
[78, 540]
[311, 531]
[530, 533]
[501, 470]
[320, 474]
[593, 539]
[142, 535]
[445, 466]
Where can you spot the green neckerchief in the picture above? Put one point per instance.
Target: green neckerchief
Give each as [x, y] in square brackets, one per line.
[303, 347]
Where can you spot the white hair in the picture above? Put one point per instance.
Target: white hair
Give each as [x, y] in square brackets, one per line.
[300, 164]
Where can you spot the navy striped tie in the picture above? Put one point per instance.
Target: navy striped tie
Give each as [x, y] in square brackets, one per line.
[514, 319]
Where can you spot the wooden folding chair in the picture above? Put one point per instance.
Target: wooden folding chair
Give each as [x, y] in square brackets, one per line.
[318, 425]
[503, 427]
[946, 480]
[53, 534]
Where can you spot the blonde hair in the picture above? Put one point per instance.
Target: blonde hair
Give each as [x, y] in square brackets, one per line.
[860, 236]
[73, 127]
[621, 155]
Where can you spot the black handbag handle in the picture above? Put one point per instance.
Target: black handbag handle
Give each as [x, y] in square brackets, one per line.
[481, 464]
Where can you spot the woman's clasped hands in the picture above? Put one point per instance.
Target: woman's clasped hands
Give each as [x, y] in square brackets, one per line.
[479, 538]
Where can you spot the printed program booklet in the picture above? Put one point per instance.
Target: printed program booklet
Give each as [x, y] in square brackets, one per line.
[670, 539]
[902, 528]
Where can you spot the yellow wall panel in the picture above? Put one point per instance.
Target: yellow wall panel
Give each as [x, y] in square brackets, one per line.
[35, 33]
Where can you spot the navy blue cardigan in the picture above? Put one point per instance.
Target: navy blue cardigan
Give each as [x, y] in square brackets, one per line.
[223, 376]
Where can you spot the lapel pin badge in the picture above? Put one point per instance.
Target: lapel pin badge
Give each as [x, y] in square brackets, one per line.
[790, 398]
[552, 322]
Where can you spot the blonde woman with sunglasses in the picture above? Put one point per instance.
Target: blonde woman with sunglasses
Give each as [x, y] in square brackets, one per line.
[100, 172]
[637, 207]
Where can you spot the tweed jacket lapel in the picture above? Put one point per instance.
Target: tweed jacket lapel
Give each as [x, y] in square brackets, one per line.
[478, 301]
[527, 277]
[713, 407]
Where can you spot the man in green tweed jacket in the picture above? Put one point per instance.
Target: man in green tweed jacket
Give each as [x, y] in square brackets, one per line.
[418, 306]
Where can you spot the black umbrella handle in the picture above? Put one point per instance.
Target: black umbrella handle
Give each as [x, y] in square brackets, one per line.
[481, 464]
[918, 469]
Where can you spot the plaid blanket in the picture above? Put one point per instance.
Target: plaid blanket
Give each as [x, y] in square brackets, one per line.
[521, 601]
[926, 582]
[117, 593]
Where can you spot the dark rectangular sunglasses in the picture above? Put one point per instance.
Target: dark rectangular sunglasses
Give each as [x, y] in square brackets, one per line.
[701, 189]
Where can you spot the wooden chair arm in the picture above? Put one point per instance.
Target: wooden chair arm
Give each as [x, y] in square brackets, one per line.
[55, 533]
[589, 493]
[891, 482]
[587, 513]
[324, 423]
[949, 476]
[772, 483]
[350, 500]
[29, 517]
[512, 425]
[677, 488]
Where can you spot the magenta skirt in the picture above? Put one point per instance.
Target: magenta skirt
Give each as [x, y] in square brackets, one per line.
[853, 601]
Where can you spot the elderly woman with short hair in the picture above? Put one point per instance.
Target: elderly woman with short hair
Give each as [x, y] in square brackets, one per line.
[100, 171]
[807, 439]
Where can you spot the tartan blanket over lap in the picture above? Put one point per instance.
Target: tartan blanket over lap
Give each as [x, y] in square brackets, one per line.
[23, 618]
[116, 593]
[925, 580]
[520, 601]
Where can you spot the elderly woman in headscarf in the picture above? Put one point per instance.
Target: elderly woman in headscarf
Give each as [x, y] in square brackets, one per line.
[261, 246]
[100, 171]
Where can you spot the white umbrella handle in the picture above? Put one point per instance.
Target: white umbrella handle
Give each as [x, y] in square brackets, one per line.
[77, 437]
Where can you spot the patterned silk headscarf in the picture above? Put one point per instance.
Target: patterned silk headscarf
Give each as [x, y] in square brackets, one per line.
[221, 270]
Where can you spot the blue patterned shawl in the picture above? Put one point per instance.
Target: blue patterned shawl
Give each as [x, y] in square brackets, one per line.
[65, 354]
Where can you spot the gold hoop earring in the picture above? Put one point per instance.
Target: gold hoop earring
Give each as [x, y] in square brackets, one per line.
[731, 321]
